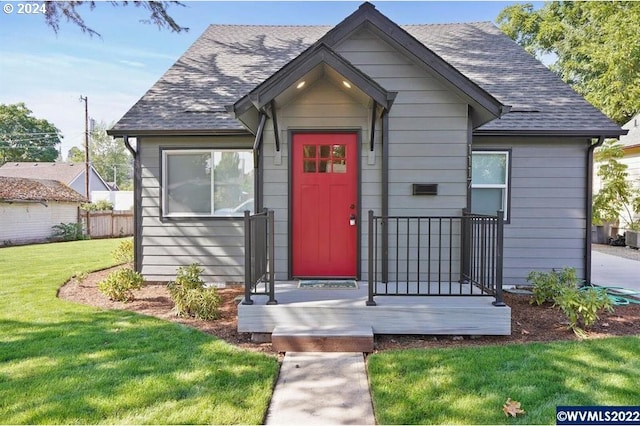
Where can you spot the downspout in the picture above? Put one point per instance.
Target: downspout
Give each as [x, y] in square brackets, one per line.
[589, 209]
[385, 196]
[137, 205]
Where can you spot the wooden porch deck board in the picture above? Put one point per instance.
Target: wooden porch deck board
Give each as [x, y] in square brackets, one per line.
[457, 315]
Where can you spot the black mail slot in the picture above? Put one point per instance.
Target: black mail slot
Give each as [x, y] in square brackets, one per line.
[425, 189]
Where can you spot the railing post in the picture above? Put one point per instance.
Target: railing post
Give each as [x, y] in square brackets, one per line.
[271, 252]
[247, 259]
[465, 247]
[384, 227]
[499, 261]
[370, 301]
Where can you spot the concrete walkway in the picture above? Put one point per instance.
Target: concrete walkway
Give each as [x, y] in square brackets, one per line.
[614, 271]
[328, 388]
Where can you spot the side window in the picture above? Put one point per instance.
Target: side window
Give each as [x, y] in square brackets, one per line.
[207, 183]
[490, 182]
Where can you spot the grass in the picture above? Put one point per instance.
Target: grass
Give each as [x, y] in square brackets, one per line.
[64, 363]
[470, 385]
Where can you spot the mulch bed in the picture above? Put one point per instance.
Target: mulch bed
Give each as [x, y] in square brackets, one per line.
[529, 323]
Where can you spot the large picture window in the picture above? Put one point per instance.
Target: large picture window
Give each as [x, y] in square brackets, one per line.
[205, 183]
[490, 182]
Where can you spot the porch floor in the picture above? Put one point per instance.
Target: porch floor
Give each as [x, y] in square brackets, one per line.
[329, 308]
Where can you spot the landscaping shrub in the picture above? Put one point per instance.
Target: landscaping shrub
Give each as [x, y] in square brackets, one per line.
[548, 285]
[124, 252]
[580, 305]
[68, 231]
[190, 295]
[119, 284]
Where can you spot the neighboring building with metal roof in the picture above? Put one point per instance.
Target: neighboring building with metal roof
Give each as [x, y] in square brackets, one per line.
[323, 123]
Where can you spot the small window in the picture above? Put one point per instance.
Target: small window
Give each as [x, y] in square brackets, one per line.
[490, 182]
[206, 183]
[330, 158]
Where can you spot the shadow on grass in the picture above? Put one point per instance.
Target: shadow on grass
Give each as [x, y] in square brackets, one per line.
[119, 367]
[470, 385]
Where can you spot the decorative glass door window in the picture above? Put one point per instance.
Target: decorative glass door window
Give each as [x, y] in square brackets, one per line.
[320, 158]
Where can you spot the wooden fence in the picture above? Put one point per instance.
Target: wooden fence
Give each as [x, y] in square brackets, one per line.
[107, 224]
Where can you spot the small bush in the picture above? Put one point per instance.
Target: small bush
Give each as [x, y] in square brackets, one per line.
[98, 206]
[124, 252]
[580, 305]
[119, 284]
[191, 297]
[68, 231]
[81, 276]
[548, 285]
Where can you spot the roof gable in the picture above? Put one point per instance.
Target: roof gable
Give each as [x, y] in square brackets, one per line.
[64, 172]
[367, 15]
[633, 137]
[318, 54]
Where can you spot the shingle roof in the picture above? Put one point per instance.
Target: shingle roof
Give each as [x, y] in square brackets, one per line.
[63, 172]
[228, 61]
[222, 65]
[23, 189]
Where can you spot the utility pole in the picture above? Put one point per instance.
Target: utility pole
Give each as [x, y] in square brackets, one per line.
[86, 146]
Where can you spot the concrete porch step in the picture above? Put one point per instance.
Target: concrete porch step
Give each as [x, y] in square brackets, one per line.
[351, 338]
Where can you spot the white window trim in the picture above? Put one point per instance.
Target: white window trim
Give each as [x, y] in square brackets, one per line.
[505, 185]
[211, 152]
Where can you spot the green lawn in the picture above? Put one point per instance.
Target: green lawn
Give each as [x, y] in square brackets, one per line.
[62, 362]
[470, 385]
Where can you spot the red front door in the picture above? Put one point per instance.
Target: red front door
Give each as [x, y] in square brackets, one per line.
[324, 201]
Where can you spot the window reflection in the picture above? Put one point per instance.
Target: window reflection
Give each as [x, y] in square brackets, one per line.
[327, 158]
[325, 151]
[309, 151]
[310, 166]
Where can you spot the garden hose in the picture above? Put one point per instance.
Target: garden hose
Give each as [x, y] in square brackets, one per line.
[618, 295]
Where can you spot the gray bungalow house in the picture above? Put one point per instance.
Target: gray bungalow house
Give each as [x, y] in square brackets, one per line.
[420, 160]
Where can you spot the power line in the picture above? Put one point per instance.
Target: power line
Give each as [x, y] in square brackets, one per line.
[33, 133]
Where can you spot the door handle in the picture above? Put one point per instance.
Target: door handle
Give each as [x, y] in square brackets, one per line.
[352, 220]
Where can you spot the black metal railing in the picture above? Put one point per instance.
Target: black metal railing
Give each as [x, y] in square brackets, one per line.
[482, 254]
[435, 256]
[259, 256]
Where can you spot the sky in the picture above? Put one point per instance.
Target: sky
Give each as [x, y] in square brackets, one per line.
[50, 71]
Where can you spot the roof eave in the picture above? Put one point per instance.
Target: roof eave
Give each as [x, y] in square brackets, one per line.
[590, 133]
[297, 68]
[132, 133]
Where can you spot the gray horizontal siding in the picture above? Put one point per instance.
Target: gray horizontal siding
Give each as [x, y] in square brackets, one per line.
[217, 244]
[427, 124]
[547, 222]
